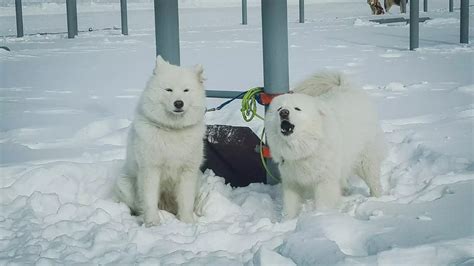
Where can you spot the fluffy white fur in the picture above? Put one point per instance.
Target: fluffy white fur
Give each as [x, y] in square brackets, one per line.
[336, 134]
[165, 145]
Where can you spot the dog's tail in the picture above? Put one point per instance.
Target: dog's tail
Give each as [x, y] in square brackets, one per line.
[323, 82]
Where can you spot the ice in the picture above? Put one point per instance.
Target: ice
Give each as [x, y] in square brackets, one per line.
[441, 21]
[468, 89]
[360, 22]
[393, 86]
[66, 106]
[269, 257]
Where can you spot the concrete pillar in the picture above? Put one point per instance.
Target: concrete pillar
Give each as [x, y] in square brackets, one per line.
[71, 32]
[123, 16]
[74, 17]
[167, 30]
[244, 12]
[19, 18]
[464, 21]
[414, 24]
[301, 11]
[275, 55]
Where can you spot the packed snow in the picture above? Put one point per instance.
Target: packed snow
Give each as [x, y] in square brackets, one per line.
[66, 105]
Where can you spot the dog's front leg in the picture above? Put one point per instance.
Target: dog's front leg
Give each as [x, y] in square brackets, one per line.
[149, 194]
[185, 196]
[291, 202]
[327, 193]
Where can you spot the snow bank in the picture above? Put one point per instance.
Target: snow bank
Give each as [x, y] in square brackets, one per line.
[65, 214]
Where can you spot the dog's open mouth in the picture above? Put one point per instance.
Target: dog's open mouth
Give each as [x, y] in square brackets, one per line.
[286, 128]
[178, 111]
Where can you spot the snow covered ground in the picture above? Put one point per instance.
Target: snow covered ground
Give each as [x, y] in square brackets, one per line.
[66, 105]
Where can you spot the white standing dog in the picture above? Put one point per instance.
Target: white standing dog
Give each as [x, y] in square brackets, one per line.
[165, 145]
[319, 135]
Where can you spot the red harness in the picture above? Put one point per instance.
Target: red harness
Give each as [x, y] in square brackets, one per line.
[265, 99]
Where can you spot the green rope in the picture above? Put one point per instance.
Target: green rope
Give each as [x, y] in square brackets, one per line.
[249, 104]
[263, 158]
[249, 112]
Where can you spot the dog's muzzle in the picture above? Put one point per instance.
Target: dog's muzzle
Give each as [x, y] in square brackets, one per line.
[178, 106]
[286, 128]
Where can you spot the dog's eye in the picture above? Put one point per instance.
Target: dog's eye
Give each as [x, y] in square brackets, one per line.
[168, 90]
[297, 109]
[279, 109]
[186, 90]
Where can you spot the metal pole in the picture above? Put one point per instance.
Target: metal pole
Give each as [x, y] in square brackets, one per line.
[167, 30]
[414, 24]
[123, 15]
[451, 5]
[19, 18]
[464, 21]
[244, 12]
[301, 11]
[425, 5]
[70, 19]
[74, 17]
[275, 53]
[403, 6]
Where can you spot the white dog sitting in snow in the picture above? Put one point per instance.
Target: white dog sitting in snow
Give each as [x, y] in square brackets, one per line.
[319, 135]
[165, 145]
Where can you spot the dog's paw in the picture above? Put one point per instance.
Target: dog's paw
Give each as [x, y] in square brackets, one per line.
[152, 219]
[376, 193]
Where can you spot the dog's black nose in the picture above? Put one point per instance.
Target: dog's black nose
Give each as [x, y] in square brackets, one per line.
[284, 113]
[178, 104]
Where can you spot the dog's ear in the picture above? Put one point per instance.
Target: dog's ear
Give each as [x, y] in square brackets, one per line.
[160, 63]
[199, 70]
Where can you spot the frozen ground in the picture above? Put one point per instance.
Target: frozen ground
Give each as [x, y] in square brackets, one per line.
[66, 105]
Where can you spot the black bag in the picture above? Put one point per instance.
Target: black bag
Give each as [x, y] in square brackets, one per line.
[233, 153]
